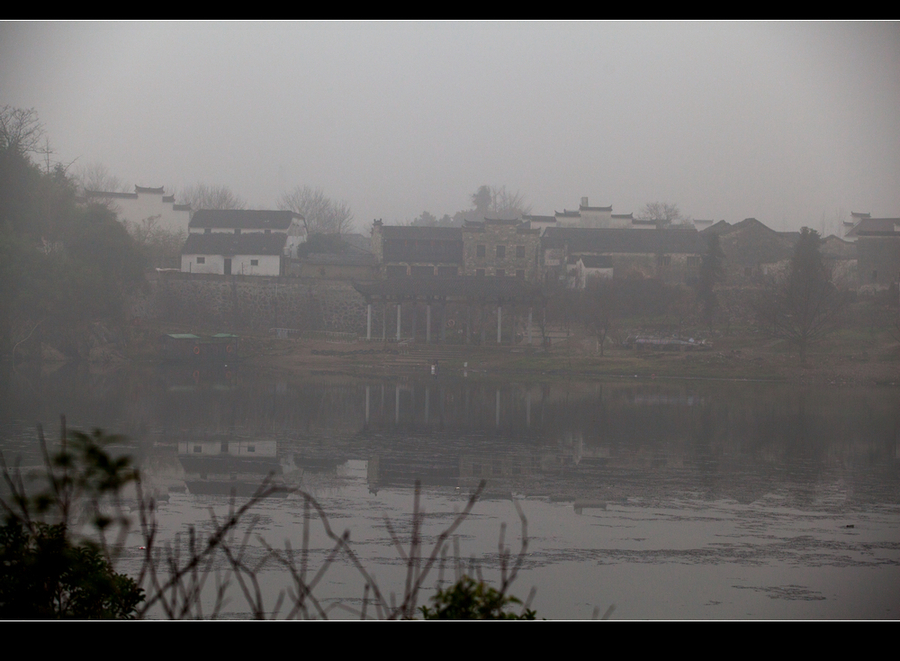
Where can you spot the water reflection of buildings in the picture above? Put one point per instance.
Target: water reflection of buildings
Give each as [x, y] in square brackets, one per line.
[584, 442]
[225, 466]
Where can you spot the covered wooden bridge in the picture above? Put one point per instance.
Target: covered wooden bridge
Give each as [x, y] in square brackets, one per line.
[459, 303]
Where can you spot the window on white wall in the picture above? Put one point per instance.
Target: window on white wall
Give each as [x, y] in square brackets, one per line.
[254, 262]
[201, 260]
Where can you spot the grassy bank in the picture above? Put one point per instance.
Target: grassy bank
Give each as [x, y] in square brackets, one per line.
[857, 355]
[846, 358]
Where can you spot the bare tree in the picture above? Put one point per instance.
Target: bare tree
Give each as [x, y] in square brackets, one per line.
[20, 130]
[161, 248]
[664, 214]
[96, 177]
[508, 204]
[321, 214]
[206, 196]
[498, 201]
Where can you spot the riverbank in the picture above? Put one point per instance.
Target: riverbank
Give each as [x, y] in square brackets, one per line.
[847, 358]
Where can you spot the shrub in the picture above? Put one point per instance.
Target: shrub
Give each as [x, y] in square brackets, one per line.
[468, 599]
[45, 571]
[48, 571]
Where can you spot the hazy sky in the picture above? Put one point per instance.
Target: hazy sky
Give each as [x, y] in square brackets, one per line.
[785, 122]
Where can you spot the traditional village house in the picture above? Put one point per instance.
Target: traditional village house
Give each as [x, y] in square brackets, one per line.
[672, 255]
[241, 242]
[878, 251]
[472, 281]
[751, 249]
[853, 221]
[146, 209]
[417, 251]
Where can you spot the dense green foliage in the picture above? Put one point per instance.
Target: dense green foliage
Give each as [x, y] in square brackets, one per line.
[468, 599]
[43, 575]
[46, 571]
[62, 263]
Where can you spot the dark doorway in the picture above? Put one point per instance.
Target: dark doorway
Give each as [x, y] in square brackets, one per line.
[227, 267]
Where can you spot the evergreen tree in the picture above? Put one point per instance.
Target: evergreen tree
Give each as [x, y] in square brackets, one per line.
[807, 305]
[712, 272]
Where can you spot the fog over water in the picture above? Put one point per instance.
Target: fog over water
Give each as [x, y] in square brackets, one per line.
[663, 498]
[792, 123]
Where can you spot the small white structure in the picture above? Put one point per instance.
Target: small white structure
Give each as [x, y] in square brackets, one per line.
[592, 266]
[146, 208]
[241, 242]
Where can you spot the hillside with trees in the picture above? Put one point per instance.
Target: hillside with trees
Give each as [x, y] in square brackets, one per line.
[63, 265]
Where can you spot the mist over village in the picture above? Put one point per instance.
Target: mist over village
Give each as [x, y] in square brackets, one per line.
[605, 276]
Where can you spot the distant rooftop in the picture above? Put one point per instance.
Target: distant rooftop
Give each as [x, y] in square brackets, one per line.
[234, 244]
[243, 219]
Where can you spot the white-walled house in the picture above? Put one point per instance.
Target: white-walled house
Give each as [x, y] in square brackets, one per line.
[146, 208]
[241, 242]
[232, 254]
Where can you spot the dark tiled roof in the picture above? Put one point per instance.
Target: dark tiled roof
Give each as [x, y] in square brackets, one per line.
[609, 208]
[716, 228]
[751, 222]
[352, 259]
[621, 240]
[421, 233]
[221, 243]
[596, 261]
[143, 189]
[422, 244]
[243, 219]
[119, 196]
[358, 242]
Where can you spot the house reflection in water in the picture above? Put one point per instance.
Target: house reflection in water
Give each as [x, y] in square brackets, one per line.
[226, 466]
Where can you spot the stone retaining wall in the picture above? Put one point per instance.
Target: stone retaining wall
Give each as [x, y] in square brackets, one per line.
[243, 303]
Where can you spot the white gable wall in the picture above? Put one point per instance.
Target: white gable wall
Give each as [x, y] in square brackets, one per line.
[150, 207]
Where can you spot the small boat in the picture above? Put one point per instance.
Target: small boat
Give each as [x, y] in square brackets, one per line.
[189, 347]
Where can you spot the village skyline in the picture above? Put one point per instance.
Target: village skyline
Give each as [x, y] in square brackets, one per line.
[790, 123]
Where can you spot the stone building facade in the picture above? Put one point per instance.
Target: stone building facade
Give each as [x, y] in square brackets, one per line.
[878, 245]
[493, 247]
[501, 248]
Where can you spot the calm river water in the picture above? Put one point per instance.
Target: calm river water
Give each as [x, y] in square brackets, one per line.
[658, 499]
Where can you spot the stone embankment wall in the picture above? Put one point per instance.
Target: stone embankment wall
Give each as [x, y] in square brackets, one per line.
[244, 303]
